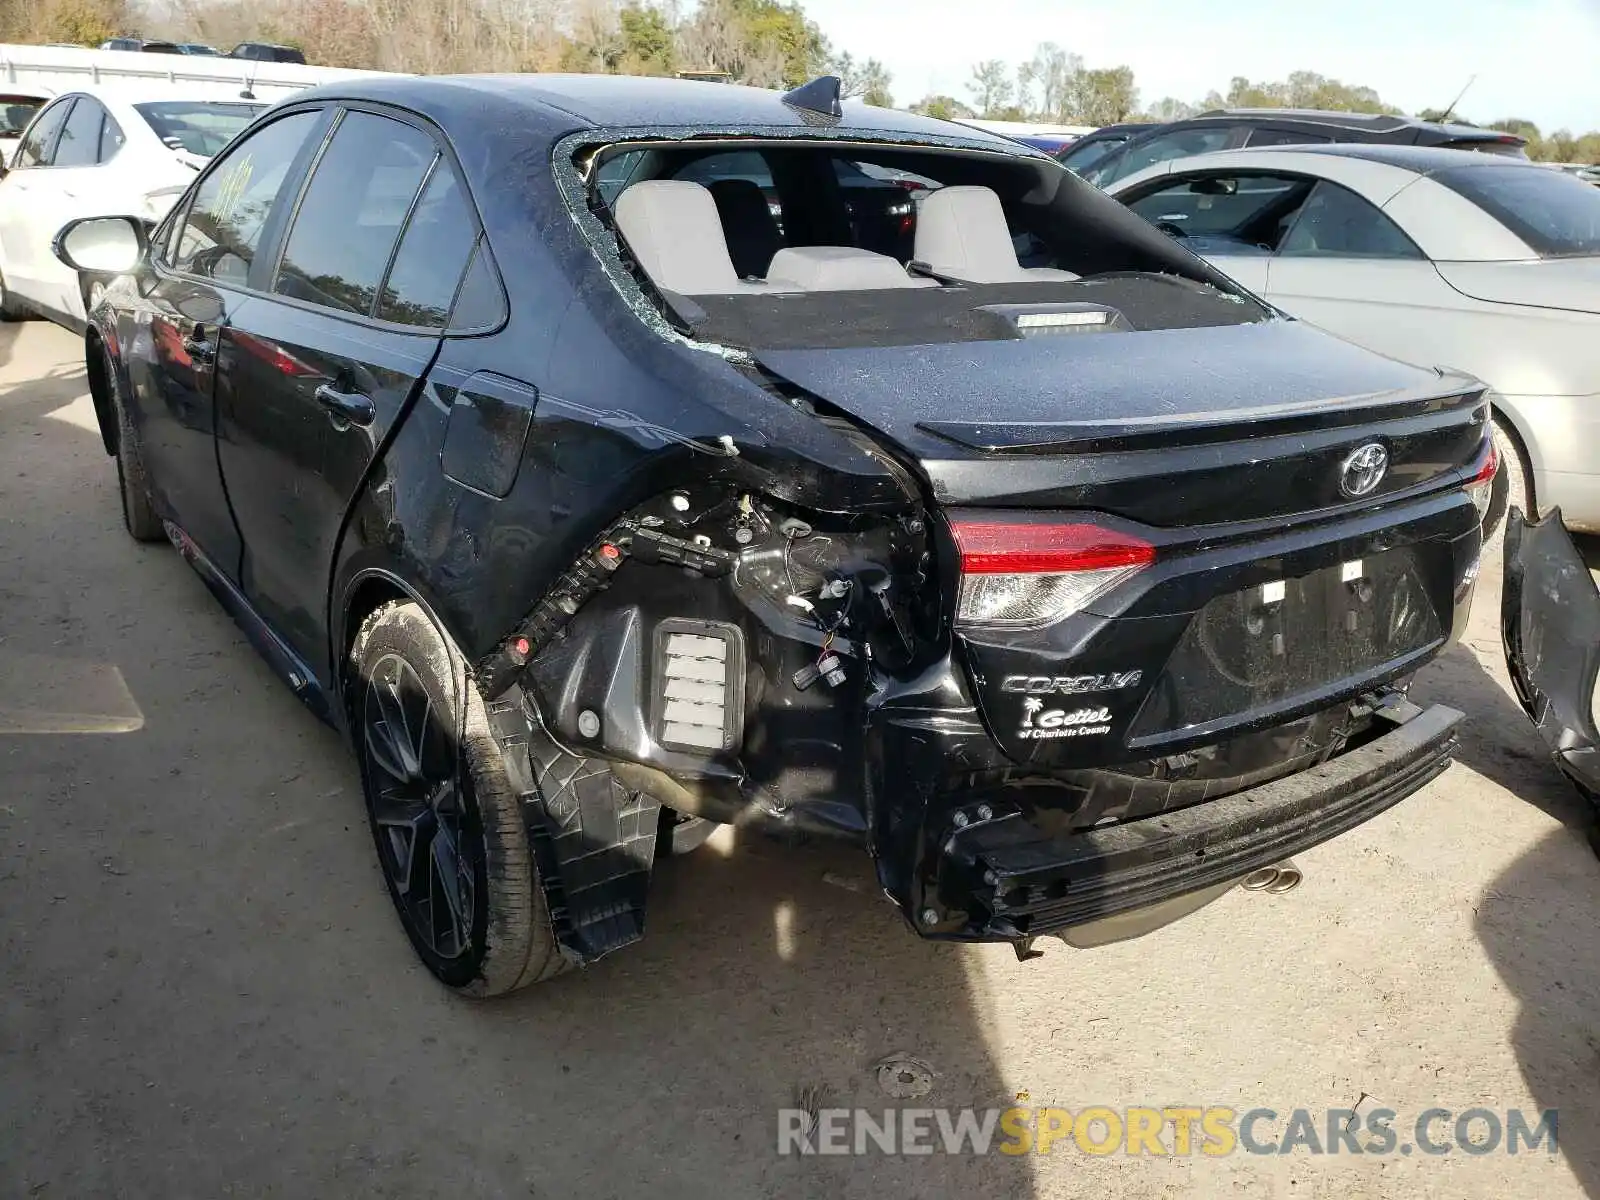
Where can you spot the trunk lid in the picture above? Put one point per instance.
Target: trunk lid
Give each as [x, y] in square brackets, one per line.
[1568, 284]
[1237, 422]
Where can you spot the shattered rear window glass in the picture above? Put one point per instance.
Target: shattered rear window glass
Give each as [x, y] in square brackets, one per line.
[828, 243]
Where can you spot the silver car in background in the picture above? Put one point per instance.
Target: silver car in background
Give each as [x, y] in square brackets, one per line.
[1436, 257]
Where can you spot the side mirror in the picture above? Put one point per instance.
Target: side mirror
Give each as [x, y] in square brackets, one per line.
[109, 245]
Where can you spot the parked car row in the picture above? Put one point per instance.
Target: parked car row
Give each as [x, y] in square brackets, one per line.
[259, 51]
[1121, 150]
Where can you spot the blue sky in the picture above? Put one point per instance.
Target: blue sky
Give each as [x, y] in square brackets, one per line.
[1538, 59]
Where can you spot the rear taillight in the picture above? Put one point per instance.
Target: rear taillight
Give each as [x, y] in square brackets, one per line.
[1481, 485]
[1025, 574]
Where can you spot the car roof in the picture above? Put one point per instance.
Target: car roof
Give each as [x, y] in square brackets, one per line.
[1424, 160]
[1318, 116]
[1121, 128]
[601, 101]
[131, 91]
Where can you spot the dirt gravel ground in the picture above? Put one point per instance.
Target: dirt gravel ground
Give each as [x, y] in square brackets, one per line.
[205, 991]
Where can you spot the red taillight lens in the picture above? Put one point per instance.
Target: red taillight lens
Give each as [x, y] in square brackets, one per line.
[1026, 549]
[1490, 464]
[1024, 574]
[1481, 485]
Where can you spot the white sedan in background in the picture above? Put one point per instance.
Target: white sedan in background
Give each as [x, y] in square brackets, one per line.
[100, 152]
[17, 107]
[1436, 257]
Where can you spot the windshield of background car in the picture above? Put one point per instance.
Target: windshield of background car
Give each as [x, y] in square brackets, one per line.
[806, 243]
[201, 127]
[1083, 156]
[16, 112]
[1556, 214]
[1180, 143]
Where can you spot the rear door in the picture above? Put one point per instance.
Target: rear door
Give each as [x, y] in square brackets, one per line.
[316, 374]
[196, 288]
[24, 190]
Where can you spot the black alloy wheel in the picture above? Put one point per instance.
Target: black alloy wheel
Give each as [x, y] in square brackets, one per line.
[428, 841]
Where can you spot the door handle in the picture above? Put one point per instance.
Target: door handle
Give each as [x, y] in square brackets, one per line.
[198, 348]
[346, 406]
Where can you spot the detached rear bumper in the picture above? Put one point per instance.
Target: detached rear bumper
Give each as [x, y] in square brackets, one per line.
[1004, 879]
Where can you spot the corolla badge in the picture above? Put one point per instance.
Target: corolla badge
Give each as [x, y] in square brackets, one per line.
[1363, 471]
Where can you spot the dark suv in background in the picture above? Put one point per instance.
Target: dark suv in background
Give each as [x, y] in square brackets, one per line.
[267, 52]
[1231, 129]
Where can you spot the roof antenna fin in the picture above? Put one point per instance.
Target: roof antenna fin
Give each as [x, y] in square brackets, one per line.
[820, 96]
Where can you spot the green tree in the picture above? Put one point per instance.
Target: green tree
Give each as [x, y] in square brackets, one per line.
[1170, 108]
[1052, 70]
[1104, 96]
[991, 86]
[647, 42]
[760, 42]
[869, 80]
[946, 108]
[1303, 89]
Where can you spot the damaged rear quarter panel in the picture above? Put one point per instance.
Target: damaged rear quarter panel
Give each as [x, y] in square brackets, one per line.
[620, 414]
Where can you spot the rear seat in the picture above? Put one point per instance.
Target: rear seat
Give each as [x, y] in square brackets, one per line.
[838, 269]
[674, 231]
[675, 234]
[962, 235]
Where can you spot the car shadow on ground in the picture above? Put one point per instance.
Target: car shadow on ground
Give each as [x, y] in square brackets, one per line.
[1536, 921]
[207, 991]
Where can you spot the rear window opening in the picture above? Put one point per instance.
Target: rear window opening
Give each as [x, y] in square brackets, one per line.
[800, 243]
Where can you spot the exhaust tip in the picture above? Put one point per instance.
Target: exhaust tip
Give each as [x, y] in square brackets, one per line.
[1260, 879]
[1289, 878]
[1274, 880]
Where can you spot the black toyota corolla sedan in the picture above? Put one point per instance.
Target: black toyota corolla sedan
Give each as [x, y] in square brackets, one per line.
[607, 467]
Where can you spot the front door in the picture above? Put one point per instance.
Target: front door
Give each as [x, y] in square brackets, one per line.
[316, 376]
[195, 291]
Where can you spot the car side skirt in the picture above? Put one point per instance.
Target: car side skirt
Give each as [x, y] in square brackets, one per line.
[284, 662]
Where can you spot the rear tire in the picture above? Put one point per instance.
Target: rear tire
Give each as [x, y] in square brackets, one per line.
[133, 484]
[446, 819]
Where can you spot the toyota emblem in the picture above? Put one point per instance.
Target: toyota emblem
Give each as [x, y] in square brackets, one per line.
[1363, 471]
